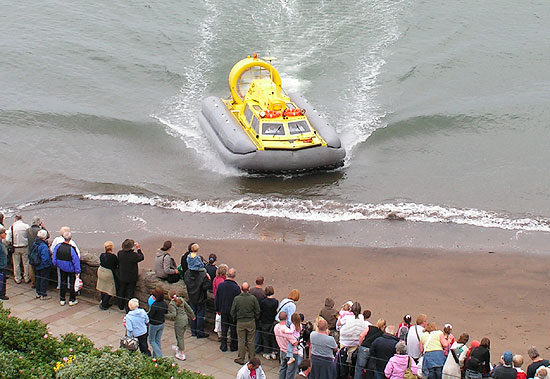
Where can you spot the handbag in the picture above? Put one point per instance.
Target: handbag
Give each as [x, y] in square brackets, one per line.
[408, 372]
[129, 343]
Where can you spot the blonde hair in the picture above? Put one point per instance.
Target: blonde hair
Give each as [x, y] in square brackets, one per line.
[133, 304]
[222, 270]
[430, 327]
[421, 318]
[381, 324]
[518, 360]
[108, 246]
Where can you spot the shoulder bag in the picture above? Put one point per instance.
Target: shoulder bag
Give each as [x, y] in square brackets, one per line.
[129, 343]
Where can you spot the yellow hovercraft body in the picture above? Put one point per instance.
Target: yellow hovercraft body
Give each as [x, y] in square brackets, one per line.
[263, 129]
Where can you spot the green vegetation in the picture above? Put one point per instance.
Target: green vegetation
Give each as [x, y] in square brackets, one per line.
[28, 350]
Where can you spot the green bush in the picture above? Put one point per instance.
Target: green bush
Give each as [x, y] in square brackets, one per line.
[28, 350]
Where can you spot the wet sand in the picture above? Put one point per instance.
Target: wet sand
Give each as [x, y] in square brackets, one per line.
[498, 295]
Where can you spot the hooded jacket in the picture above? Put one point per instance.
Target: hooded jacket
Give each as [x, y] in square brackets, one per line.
[65, 257]
[329, 313]
[180, 314]
[44, 252]
[397, 365]
[197, 286]
[136, 322]
[164, 264]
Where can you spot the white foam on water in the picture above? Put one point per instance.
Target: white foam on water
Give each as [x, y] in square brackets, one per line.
[332, 211]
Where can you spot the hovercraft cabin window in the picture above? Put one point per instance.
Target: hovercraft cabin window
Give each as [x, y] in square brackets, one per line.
[273, 129]
[255, 123]
[248, 114]
[298, 127]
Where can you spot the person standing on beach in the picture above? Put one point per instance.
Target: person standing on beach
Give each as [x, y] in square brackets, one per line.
[245, 310]
[259, 293]
[534, 355]
[68, 262]
[225, 294]
[197, 281]
[3, 264]
[283, 338]
[17, 235]
[42, 270]
[56, 241]
[36, 225]
[128, 271]
[323, 347]
[413, 337]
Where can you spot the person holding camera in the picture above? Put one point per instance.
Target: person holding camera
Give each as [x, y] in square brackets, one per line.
[128, 271]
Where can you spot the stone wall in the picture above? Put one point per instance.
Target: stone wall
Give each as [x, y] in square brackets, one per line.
[89, 262]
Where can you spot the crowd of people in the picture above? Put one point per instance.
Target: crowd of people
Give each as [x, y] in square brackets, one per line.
[340, 343]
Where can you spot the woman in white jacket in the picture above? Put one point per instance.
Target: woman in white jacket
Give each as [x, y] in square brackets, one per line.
[451, 369]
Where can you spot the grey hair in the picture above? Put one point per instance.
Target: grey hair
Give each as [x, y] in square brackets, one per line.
[533, 352]
[231, 273]
[67, 236]
[401, 348]
[2, 231]
[390, 329]
[35, 221]
[133, 304]
[42, 234]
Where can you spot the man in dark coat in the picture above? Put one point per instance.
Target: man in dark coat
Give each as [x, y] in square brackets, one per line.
[382, 349]
[227, 290]
[197, 283]
[128, 272]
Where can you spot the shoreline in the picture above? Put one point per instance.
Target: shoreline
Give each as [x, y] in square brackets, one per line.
[390, 267]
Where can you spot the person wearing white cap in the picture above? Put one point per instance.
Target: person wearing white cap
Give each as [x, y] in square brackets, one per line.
[447, 328]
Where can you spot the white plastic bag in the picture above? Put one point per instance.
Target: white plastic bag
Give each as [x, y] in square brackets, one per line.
[218, 323]
[78, 284]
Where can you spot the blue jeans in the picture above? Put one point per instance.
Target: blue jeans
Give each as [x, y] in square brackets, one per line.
[155, 335]
[197, 325]
[286, 371]
[363, 354]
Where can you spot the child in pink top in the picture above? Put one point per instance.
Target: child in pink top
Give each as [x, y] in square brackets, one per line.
[295, 329]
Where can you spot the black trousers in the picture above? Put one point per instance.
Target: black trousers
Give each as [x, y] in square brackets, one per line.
[229, 325]
[143, 346]
[125, 293]
[63, 286]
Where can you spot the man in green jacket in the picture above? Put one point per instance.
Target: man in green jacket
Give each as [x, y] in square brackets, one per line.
[246, 311]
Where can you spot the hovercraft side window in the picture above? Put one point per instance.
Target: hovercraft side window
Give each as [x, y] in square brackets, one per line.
[273, 129]
[298, 127]
[248, 113]
[255, 123]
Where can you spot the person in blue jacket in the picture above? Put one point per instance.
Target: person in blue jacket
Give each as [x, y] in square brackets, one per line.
[66, 258]
[42, 271]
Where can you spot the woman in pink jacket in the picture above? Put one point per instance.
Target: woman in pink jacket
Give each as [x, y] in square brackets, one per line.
[397, 365]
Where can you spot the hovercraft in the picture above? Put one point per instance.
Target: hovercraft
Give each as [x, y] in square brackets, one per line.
[262, 129]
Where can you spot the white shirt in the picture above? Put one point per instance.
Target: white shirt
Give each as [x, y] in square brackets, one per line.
[59, 239]
[244, 373]
[19, 234]
[413, 344]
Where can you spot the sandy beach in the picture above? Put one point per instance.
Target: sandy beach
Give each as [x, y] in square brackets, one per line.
[497, 295]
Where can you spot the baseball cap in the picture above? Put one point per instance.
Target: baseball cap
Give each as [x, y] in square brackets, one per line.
[507, 357]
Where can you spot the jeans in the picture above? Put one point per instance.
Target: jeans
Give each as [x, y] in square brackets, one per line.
[228, 324]
[41, 281]
[286, 371]
[471, 374]
[380, 375]
[155, 335]
[363, 354]
[197, 325]
[435, 373]
[3, 282]
[70, 277]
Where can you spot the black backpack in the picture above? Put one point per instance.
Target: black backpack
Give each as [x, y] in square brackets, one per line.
[34, 257]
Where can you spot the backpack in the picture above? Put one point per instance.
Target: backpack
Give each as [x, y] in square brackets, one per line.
[34, 257]
[402, 333]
